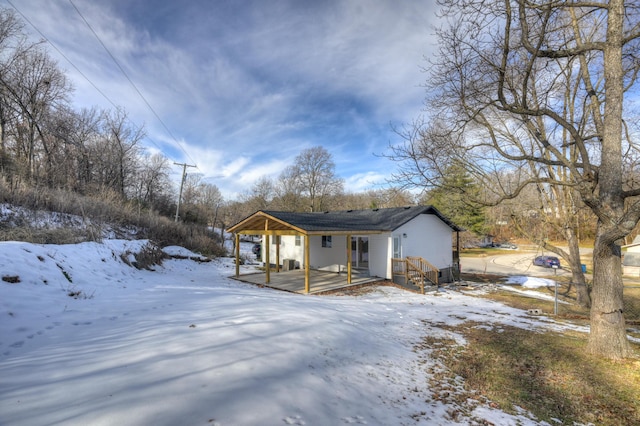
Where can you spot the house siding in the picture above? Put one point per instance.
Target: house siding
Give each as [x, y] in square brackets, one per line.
[326, 258]
[288, 250]
[380, 255]
[631, 260]
[428, 237]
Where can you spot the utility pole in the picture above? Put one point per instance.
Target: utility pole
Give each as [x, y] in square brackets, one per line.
[184, 176]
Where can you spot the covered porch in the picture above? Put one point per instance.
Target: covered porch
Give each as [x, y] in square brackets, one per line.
[305, 280]
[294, 281]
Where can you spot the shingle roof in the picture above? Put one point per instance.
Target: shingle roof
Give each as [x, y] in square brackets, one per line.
[372, 220]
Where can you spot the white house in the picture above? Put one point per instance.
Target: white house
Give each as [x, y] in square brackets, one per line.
[402, 244]
[631, 261]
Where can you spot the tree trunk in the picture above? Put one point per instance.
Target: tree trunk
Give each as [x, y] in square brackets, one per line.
[608, 332]
[577, 276]
[608, 335]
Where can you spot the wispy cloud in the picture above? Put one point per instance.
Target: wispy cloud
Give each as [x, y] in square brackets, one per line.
[244, 87]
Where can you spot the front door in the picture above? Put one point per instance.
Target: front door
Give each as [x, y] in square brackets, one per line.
[397, 253]
[360, 252]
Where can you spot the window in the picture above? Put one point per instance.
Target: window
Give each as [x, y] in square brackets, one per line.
[298, 241]
[326, 241]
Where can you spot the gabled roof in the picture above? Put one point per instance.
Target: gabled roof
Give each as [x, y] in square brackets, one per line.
[337, 222]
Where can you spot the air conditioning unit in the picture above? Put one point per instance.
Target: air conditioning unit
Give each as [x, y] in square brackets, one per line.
[288, 264]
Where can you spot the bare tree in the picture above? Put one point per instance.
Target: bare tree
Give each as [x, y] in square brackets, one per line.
[118, 151]
[211, 200]
[313, 176]
[534, 91]
[261, 195]
[39, 86]
[11, 29]
[288, 192]
[152, 183]
[80, 131]
[201, 201]
[190, 188]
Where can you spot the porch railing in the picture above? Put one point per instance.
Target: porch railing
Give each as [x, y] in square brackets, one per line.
[415, 270]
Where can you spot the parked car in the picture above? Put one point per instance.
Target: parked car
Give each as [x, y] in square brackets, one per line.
[508, 246]
[547, 261]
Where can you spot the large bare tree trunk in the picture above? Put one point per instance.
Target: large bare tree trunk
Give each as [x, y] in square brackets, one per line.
[608, 333]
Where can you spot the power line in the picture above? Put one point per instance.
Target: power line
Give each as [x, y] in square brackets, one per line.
[62, 54]
[104, 95]
[113, 58]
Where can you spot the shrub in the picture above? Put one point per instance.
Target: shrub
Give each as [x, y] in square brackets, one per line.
[149, 256]
[104, 207]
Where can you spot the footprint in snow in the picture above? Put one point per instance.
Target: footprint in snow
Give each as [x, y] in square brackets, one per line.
[354, 420]
[294, 420]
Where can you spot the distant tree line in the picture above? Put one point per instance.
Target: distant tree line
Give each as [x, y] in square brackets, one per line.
[45, 143]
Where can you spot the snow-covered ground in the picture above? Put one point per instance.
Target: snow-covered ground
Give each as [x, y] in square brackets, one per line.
[86, 339]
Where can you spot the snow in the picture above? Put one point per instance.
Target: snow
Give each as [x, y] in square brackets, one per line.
[186, 344]
[530, 282]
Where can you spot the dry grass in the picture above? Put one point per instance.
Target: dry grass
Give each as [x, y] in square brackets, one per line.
[567, 308]
[485, 251]
[97, 213]
[150, 256]
[547, 374]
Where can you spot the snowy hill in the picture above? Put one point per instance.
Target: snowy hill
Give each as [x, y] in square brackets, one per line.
[87, 339]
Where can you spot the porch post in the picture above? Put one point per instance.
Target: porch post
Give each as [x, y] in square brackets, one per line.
[307, 269]
[276, 240]
[456, 274]
[237, 242]
[266, 258]
[348, 259]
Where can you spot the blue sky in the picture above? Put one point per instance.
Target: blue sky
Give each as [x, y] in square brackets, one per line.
[245, 86]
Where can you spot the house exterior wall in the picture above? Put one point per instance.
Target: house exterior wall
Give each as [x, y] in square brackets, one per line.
[326, 258]
[633, 249]
[631, 271]
[428, 237]
[631, 260]
[288, 250]
[380, 247]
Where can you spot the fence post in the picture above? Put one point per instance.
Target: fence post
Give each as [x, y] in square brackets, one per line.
[555, 305]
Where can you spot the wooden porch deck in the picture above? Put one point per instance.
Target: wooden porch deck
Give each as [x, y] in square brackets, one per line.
[319, 281]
